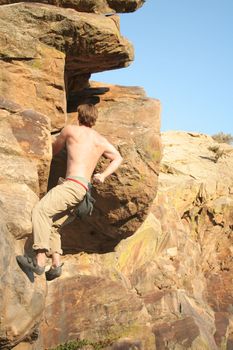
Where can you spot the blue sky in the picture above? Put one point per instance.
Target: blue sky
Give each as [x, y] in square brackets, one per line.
[184, 58]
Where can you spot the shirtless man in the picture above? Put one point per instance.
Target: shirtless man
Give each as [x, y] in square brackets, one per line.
[85, 146]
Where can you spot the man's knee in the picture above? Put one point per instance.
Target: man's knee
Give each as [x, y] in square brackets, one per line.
[38, 210]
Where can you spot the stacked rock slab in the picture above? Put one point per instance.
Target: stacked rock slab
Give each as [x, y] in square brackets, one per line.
[46, 50]
[100, 6]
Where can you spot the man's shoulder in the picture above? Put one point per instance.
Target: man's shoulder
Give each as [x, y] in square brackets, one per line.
[70, 128]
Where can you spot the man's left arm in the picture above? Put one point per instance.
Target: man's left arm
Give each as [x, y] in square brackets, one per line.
[59, 142]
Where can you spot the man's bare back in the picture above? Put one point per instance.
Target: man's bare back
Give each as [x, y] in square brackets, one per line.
[84, 147]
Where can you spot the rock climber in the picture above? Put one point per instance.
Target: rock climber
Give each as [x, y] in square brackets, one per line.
[84, 146]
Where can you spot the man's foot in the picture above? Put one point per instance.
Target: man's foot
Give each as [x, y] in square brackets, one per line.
[26, 261]
[53, 272]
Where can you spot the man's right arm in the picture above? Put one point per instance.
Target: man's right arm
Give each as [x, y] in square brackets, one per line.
[116, 159]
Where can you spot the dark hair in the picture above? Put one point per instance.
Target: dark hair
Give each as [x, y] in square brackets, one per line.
[87, 114]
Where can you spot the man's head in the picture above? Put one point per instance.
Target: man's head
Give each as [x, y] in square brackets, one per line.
[87, 114]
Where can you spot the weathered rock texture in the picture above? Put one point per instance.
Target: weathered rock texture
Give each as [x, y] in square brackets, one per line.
[92, 301]
[25, 157]
[47, 52]
[194, 269]
[131, 121]
[25, 145]
[168, 285]
[100, 6]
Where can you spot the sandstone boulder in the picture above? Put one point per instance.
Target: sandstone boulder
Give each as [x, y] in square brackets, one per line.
[130, 121]
[102, 6]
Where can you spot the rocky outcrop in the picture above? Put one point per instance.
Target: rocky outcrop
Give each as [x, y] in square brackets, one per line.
[47, 56]
[131, 280]
[187, 288]
[100, 6]
[48, 52]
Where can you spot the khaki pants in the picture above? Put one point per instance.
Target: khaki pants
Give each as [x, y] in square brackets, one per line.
[52, 212]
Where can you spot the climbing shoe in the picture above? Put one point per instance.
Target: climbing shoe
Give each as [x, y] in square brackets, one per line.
[53, 272]
[30, 263]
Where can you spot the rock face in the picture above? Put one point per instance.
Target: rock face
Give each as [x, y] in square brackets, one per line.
[193, 270]
[47, 52]
[100, 6]
[184, 273]
[25, 157]
[94, 315]
[168, 283]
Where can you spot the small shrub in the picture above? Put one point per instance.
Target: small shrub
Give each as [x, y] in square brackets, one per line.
[72, 345]
[218, 152]
[214, 148]
[223, 138]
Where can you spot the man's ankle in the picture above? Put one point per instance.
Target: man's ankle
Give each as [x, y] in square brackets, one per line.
[56, 260]
[41, 257]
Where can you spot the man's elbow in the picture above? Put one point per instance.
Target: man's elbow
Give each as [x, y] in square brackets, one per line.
[56, 149]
